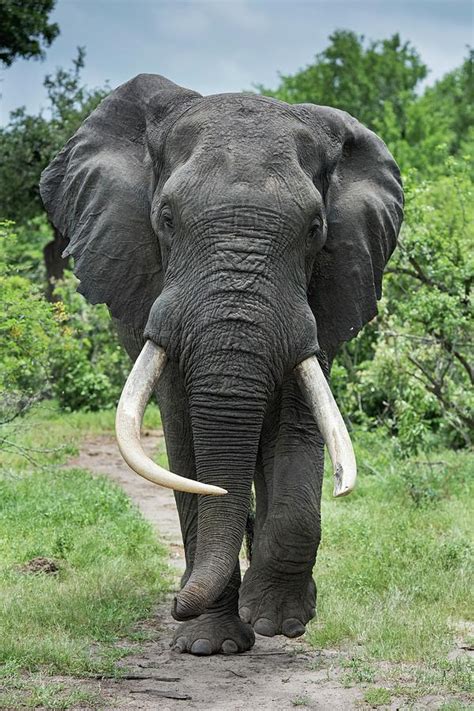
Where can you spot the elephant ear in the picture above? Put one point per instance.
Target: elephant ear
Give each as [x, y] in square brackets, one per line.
[98, 193]
[363, 196]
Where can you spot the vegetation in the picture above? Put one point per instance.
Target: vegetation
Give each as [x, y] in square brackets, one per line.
[25, 29]
[410, 371]
[357, 76]
[65, 349]
[28, 142]
[107, 568]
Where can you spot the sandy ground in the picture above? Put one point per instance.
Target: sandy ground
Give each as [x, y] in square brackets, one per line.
[276, 674]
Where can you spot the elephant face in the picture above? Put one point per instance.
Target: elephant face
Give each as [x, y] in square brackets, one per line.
[239, 222]
[241, 235]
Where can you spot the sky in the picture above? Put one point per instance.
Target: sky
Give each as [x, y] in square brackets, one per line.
[215, 46]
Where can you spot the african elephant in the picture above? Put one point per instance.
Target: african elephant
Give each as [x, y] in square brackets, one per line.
[237, 241]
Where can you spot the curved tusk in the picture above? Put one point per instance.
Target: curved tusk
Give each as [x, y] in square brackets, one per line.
[331, 425]
[133, 401]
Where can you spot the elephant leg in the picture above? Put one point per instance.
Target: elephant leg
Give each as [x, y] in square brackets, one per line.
[220, 628]
[278, 594]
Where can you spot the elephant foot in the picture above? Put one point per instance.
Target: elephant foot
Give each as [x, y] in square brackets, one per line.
[275, 608]
[214, 633]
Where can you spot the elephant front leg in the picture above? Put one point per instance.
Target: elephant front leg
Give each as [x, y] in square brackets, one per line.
[219, 629]
[278, 594]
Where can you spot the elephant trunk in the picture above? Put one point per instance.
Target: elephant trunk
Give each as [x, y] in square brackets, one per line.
[228, 378]
[226, 433]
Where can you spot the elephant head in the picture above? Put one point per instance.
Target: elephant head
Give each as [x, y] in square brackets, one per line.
[245, 238]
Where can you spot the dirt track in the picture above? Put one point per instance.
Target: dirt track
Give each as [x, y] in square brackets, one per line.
[276, 674]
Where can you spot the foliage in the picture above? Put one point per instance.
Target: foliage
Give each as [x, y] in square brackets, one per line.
[410, 368]
[25, 29]
[67, 349]
[427, 327]
[357, 76]
[27, 334]
[378, 83]
[90, 367]
[29, 142]
[437, 124]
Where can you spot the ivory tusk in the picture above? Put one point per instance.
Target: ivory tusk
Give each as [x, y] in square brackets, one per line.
[133, 401]
[330, 422]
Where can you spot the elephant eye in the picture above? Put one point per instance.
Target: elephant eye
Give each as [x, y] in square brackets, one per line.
[166, 218]
[317, 234]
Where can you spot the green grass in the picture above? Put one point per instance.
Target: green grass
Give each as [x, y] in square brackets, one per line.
[39, 693]
[395, 570]
[377, 696]
[111, 569]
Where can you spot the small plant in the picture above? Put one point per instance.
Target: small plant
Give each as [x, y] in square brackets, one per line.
[360, 672]
[377, 696]
[300, 701]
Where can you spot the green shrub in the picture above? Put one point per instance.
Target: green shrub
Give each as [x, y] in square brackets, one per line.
[89, 366]
[28, 330]
[67, 349]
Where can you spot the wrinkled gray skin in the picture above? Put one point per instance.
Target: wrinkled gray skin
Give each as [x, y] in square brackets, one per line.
[242, 235]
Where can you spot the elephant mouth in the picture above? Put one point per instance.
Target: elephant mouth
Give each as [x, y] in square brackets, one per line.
[139, 387]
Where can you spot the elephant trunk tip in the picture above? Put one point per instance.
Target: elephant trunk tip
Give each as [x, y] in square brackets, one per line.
[186, 606]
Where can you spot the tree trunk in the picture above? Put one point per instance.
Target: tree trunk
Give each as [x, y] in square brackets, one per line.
[54, 262]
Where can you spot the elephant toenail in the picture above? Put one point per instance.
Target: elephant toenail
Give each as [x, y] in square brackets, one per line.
[244, 614]
[292, 627]
[201, 647]
[265, 626]
[179, 645]
[229, 647]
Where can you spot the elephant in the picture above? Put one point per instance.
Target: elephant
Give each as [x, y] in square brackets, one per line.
[237, 241]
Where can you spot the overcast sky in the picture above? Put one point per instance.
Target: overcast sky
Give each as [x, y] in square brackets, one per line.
[227, 45]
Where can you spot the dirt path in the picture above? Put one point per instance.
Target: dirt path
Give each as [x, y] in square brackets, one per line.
[276, 674]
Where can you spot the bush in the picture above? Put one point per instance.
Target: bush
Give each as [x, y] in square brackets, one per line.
[90, 367]
[67, 349]
[28, 332]
[415, 376]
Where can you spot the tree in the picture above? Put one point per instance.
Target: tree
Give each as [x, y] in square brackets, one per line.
[437, 124]
[29, 142]
[25, 29]
[358, 77]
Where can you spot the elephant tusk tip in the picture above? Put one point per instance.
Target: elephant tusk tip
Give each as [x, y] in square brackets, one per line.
[217, 491]
[338, 492]
[343, 484]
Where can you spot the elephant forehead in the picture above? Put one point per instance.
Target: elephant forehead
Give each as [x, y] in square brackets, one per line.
[237, 124]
